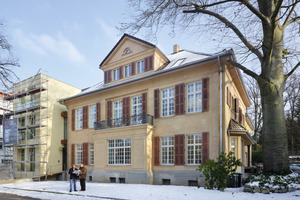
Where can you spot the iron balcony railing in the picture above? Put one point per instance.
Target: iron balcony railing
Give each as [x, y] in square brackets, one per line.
[124, 121]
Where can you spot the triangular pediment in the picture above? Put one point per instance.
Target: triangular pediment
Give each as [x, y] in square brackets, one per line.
[127, 46]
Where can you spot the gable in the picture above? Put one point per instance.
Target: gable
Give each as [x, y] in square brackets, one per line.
[128, 46]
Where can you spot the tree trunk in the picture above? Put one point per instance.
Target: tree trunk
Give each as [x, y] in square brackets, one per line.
[271, 83]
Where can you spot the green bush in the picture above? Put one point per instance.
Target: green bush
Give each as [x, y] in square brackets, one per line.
[217, 173]
[257, 156]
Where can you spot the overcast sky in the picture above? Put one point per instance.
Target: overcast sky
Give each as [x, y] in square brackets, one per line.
[68, 39]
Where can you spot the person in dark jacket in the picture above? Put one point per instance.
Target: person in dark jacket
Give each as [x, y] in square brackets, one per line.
[73, 177]
[82, 176]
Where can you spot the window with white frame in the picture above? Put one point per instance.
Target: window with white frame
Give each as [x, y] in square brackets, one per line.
[167, 102]
[233, 146]
[79, 119]
[167, 150]
[194, 148]
[127, 70]
[136, 109]
[117, 107]
[140, 67]
[93, 116]
[119, 152]
[194, 97]
[116, 74]
[91, 154]
[78, 154]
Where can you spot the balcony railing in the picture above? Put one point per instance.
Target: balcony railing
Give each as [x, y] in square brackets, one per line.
[124, 121]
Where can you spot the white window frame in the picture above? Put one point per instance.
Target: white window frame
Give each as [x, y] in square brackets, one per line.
[92, 154]
[136, 109]
[116, 74]
[167, 102]
[194, 149]
[140, 67]
[92, 115]
[127, 70]
[115, 146]
[234, 146]
[194, 97]
[167, 147]
[117, 112]
[79, 119]
[78, 153]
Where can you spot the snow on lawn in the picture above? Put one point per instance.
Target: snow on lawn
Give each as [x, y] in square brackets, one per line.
[57, 190]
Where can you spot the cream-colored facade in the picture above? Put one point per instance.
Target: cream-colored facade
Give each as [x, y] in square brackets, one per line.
[158, 117]
[39, 151]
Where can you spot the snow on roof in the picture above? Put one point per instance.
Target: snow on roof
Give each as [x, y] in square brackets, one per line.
[94, 87]
[184, 57]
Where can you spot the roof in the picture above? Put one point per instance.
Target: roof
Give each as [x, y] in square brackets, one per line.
[178, 61]
[125, 35]
[234, 126]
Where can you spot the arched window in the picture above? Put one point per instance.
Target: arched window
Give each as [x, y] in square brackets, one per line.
[127, 50]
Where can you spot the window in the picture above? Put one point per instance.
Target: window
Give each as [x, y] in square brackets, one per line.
[91, 154]
[79, 119]
[167, 102]
[65, 128]
[31, 119]
[194, 97]
[22, 121]
[136, 110]
[32, 158]
[127, 51]
[127, 71]
[78, 154]
[167, 150]
[119, 152]
[194, 147]
[31, 133]
[116, 74]
[140, 67]
[93, 115]
[32, 101]
[117, 118]
[22, 158]
[233, 147]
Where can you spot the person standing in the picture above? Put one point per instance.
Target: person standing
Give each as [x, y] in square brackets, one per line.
[73, 176]
[82, 176]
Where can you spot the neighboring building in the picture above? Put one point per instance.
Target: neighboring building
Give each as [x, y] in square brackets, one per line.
[158, 117]
[39, 151]
[5, 106]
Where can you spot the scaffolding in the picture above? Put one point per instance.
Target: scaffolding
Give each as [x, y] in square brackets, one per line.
[30, 106]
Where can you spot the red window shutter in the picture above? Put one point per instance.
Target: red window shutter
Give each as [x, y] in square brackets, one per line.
[205, 147]
[237, 104]
[133, 68]
[228, 96]
[179, 149]
[146, 64]
[85, 153]
[144, 103]
[120, 72]
[156, 151]
[105, 76]
[126, 110]
[73, 119]
[240, 116]
[98, 112]
[179, 99]
[85, 117]
[73, 154]
[156, 103]
[151, 62]
[109, 76]
[205, 94]
[109, 113]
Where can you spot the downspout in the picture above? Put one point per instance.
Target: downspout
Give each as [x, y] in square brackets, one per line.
[221, 104]
[67, 167]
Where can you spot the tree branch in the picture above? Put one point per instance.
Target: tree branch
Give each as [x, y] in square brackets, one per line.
[277, 9]
[293, 20]
[232, 27]
[287, 21]
[244, 69]
[292, 71]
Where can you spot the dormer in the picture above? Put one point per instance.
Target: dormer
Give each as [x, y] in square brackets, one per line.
[131, 57]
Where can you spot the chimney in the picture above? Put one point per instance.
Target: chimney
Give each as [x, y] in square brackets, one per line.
[176, 48]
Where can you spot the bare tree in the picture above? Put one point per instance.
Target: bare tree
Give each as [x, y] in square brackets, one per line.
[7, 61]
[261, 28]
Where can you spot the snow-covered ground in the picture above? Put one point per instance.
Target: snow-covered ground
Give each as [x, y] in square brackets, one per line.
[58, 190]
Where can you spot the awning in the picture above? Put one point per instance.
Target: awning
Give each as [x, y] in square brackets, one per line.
[235, 129]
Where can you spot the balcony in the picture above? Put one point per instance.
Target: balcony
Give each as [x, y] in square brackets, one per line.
[133, 120]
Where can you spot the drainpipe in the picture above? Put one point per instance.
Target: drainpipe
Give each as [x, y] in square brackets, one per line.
[67, 167]
[221, 105]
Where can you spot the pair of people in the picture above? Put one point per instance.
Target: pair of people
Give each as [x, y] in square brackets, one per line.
[74, 172]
